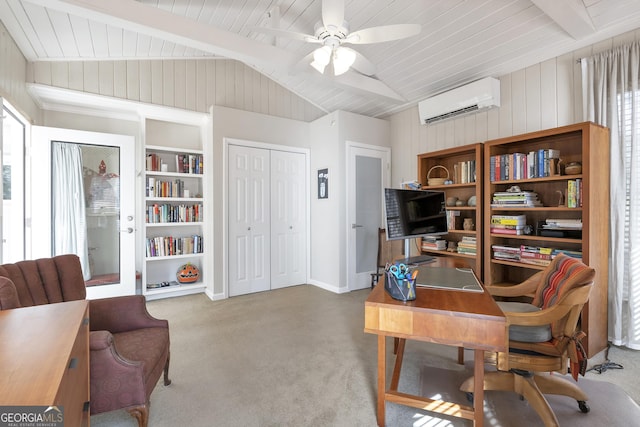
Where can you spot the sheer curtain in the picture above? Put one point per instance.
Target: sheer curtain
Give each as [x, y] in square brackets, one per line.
[68, 201]
[610, 84]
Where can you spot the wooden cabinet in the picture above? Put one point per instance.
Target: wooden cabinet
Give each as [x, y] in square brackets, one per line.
[45, 359]
[463, 166]
[175, 188]
[585, 143]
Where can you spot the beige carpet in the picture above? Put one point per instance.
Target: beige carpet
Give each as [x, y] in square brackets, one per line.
[299, 357]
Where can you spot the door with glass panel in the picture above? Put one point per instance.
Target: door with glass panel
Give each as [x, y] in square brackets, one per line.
[367, 175]
[83, 203]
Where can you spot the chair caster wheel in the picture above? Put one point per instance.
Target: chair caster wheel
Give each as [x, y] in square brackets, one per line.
[584, 408]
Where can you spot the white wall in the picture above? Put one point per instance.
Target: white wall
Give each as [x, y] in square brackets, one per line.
[329, 138]
[13, 73]
[192, 85]
[545, 95]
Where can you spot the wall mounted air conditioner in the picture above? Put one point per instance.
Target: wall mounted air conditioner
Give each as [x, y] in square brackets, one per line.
[472, 97]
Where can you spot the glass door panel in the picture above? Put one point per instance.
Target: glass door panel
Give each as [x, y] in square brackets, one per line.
[90, 204]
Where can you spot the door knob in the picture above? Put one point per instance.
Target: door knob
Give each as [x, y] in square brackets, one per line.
[128, 230]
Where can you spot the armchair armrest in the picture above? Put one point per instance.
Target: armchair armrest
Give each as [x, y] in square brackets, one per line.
[122, 314]
[538, 318]
[116, 382]
[574, 300]
[527, 288]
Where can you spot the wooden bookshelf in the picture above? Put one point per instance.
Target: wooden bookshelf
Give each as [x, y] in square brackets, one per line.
[588, 144]
[433, 165]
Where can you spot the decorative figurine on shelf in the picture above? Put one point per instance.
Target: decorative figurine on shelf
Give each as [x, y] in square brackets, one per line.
[467, 225]
[188, 273]
[452, 246]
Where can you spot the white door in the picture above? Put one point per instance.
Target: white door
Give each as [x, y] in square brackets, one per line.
[249, 220]
[367, 176]
[83, 202]
[288, 219]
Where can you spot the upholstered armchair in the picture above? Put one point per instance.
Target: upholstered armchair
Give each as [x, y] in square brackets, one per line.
[129, 349]
[543, 336]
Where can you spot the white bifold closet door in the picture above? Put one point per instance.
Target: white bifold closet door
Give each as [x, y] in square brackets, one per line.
[267, 221]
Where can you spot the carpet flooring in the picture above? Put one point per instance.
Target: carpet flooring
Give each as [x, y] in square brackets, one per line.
[299, 357]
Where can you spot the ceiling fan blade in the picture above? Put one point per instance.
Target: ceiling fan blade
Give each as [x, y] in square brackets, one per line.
[383, 33]
[362, 64]
[284, 33]
[332, 14]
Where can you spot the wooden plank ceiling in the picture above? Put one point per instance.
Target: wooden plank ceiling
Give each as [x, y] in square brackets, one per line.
[460, 41]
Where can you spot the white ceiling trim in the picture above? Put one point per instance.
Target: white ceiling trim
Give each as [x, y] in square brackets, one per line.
[71, 101]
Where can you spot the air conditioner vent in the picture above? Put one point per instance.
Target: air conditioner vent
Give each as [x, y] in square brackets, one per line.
[473, 97]
[445, 116]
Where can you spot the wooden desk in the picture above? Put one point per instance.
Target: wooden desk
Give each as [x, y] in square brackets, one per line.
[45, 358]
[455, 318]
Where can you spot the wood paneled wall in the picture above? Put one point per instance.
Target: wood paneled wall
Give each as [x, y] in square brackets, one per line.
[545, 95]
[187, 84]
[13, 66]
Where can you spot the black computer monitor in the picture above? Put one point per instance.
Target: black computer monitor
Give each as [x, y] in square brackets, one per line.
[414, 213]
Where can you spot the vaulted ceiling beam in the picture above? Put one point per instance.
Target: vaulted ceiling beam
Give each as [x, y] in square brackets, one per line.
[571, 15]
[155, 22]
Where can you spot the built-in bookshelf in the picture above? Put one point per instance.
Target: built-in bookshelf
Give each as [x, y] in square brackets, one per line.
[458, 172]
[535, 206]
[174, 196]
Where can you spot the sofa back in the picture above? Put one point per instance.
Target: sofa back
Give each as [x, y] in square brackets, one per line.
[42, 281]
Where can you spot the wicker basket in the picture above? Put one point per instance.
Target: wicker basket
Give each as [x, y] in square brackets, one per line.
[437, 181]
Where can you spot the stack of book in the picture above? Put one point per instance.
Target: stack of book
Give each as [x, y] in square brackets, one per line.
[535, 255]
[561, 227]
[467, 245]
[508, 224]
[507, 253]
[433, 243]
[573, 254]
[528, 199]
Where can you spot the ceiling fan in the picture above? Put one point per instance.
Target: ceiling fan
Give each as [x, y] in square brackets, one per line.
[333, 32]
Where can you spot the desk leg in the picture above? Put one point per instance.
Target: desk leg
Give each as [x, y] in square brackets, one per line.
[382, 375]
[478, 388]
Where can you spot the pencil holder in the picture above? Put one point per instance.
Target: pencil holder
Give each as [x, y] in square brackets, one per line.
[400, 289]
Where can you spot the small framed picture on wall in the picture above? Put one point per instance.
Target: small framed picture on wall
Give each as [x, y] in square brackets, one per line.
[323, 183]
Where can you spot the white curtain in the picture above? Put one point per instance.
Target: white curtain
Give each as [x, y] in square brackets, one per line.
[610, 84]
[69, 216]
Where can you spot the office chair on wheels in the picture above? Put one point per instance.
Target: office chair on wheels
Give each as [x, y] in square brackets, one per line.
[543, 336]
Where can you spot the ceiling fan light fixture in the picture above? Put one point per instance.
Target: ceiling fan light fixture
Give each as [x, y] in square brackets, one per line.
[343, 59]
[321, 58]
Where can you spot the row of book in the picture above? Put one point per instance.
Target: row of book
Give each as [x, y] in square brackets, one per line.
[166, 188]
[166, 213]
[514, 166]
[527, 199]
[467, 245]
[185, 163]
[464, 172]
[535, 255]
[574, 193]
[170, 245]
